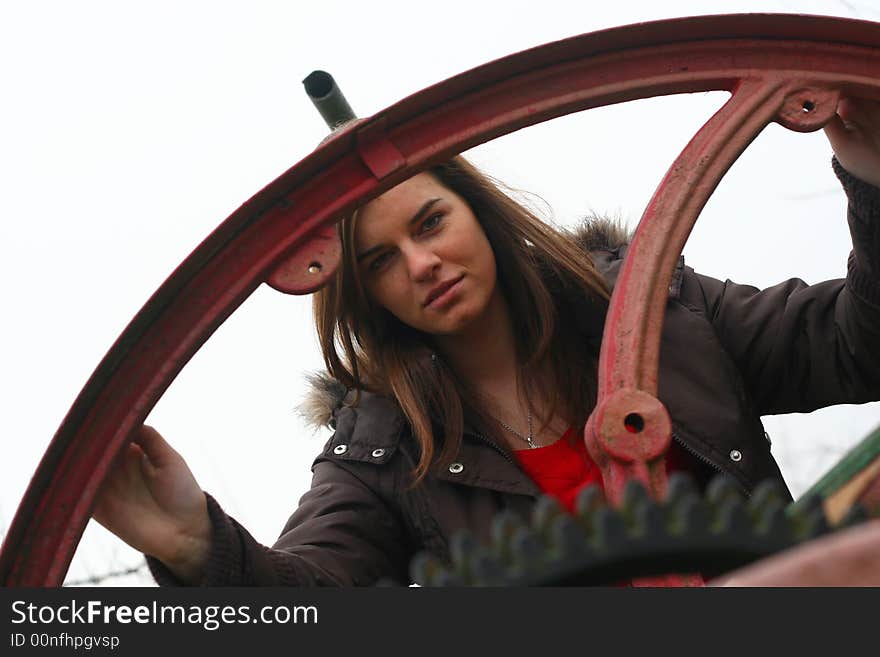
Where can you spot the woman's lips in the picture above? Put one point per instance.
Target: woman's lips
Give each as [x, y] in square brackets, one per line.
[446, 295]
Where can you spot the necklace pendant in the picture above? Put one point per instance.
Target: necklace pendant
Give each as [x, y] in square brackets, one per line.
[528, 439]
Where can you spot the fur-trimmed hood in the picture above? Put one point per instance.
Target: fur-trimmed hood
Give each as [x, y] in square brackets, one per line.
[595, 234]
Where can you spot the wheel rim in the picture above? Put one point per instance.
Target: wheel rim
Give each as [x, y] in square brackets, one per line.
[772, 65]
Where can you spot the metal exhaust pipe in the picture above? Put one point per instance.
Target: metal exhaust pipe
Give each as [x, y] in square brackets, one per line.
[328, 99]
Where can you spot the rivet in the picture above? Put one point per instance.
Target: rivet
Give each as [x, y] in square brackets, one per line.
[735, 455]
[315, 268]
[455, 468]
[378, 453]
[340, 449]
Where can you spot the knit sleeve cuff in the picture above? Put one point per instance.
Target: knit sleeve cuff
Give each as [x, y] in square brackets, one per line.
[863, 216]
[161, 574]
[225, 561]
[863, 285]
[864, 198]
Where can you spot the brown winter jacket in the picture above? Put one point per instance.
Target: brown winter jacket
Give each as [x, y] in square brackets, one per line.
[729, 354]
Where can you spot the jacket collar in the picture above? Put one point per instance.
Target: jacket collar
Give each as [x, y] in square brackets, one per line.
[369, 431]
[608, 263]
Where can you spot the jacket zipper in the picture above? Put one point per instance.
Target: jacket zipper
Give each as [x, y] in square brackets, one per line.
[708, 462]
[507, 457]
[495, 446]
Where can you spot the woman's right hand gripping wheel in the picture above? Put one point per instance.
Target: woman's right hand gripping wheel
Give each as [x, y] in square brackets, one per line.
[152, 501]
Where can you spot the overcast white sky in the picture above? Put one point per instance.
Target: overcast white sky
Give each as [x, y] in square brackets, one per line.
[129, 131]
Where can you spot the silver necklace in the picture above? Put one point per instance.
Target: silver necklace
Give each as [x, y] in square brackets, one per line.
[530, 438]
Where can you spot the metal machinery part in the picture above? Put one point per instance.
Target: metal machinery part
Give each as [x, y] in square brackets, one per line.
[328, 99]
[784, 68]
[641, 538]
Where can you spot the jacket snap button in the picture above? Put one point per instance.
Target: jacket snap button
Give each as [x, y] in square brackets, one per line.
[340, 449]
[455, 468]
[378, 453]
[735, 455]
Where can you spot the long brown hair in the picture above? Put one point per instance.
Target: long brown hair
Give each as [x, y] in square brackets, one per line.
[536, 265]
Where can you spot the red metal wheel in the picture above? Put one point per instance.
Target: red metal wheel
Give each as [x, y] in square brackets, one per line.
[783, 68]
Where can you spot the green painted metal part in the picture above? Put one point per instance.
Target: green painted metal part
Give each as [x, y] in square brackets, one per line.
[853, 463]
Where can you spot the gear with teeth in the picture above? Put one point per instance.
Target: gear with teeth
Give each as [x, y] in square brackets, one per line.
[599, 545]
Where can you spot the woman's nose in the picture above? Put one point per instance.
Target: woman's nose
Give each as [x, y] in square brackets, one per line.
[421, 263]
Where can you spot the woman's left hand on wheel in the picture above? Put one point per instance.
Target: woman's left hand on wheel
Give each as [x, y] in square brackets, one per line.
[854, 133]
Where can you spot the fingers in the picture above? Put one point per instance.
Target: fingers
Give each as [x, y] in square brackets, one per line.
[847, 111]
[121, 480]
[858, 119]
[837, 132]
[854, 134]
[856, 116]
[157, 452]
[859, 113]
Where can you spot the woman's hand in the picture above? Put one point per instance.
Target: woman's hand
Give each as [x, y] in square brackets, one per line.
[151, 500]
[854, 134]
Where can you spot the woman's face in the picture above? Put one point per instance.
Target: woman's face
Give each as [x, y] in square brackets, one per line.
[424, 257]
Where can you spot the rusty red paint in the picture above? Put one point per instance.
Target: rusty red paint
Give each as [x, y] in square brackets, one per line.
[630, 355]
[377, 151]
[310, 267]
[767, 62]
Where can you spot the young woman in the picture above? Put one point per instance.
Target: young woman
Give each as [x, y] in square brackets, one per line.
[461, 335]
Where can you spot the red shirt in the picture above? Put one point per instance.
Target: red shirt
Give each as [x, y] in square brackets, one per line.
[564, 468]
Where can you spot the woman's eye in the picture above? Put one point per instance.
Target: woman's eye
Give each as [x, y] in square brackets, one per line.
[377, 262]
[431, 222]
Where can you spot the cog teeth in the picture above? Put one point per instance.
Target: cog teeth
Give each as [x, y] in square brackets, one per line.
[427, 570]
[724, 529]
[609, 528]
[689, 516]
[634, 495]
[680, 487]
[589, 500]
[772, 522]
[810, 524]
[721, 488]
[683, 507]
[648, 520]
[446, 578]
[463, 548]
[547, 510]
[421, 568]
[640, 511]
[527, 554]
[807, 518]
[487, 569]
[766, 493]
[567, 537]
[504, 525]
[526, 546]
[461, 545]
[731, 518]
[809, 503]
